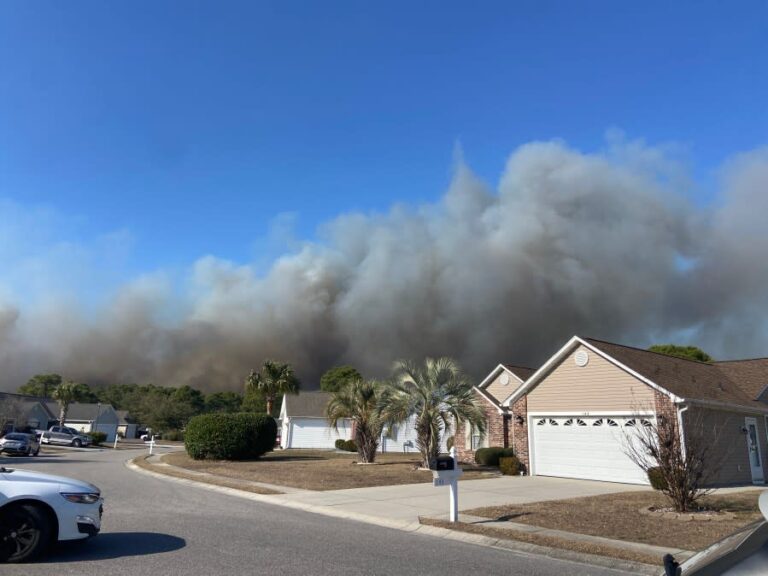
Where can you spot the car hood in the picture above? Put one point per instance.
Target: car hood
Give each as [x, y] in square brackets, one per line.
[65, 484]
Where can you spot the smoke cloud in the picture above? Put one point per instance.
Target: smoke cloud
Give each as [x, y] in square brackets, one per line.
[605, 245]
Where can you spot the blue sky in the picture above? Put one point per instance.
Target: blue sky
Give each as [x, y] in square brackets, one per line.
[179, 129]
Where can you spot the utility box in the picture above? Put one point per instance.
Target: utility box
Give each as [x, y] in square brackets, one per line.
[443, 463]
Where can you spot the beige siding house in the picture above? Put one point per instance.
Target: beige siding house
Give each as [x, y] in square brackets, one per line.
[575, 416]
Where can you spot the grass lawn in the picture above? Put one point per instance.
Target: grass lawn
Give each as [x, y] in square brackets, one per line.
[319, 469]
[616, 516]
[141, 462]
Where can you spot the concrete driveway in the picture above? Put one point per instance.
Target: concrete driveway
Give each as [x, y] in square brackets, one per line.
[408, 502]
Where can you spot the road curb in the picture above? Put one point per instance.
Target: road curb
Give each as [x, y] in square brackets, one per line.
[415, 527]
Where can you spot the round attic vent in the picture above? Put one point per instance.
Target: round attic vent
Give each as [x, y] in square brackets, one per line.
[504, 379]
[581, 358]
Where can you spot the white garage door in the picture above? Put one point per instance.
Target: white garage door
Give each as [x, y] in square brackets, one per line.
[589, 448]
[316, 433]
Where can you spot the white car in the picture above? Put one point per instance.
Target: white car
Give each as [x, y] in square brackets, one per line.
[37, 510]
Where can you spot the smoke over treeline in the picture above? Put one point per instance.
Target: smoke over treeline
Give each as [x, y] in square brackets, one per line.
[603, 245]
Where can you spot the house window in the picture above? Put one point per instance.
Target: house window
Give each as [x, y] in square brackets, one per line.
[475, 439]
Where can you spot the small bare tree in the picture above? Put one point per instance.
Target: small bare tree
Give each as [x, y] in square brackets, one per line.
[685, 466]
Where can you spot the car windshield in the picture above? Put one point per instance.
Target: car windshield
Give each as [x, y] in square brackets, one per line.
[15, 436]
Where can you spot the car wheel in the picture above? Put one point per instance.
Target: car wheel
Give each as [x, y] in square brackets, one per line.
[37, 451]
[77, 443]
[29, 452]
[24, 533]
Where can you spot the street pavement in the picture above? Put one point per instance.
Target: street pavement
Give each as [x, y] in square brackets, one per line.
[155, 526]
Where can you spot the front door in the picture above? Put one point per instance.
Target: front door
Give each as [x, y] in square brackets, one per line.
[753, 446]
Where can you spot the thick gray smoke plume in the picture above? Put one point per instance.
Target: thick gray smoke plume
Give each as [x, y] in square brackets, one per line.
[603, 245]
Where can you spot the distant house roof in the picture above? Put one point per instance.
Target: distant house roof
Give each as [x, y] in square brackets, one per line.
[307, 404]
[28, 401]
[123, 417]
[87, 412]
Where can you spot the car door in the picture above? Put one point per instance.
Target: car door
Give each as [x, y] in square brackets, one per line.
[57, 435]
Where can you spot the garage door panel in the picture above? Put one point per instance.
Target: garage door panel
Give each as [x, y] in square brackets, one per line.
[593, 450]
[307, 433]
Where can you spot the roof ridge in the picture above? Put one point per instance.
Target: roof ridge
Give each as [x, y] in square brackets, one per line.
[741, 360]
[517, 366]
[653, 352]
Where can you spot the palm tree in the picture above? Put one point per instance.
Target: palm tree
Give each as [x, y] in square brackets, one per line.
[65, 394]
[358, 400]
[274, 379]
[438, 394]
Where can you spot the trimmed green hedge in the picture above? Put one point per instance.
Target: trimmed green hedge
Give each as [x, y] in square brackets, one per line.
[490, 456]
[510, 466]
[346, 445]
[219, 436]
[97, 437]
[656, 478]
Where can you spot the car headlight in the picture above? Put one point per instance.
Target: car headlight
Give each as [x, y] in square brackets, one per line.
[82, 497]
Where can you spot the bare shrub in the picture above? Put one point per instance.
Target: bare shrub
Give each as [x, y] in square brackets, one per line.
[686, 465]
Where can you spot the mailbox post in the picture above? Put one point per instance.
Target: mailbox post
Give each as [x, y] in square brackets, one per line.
[446, 471]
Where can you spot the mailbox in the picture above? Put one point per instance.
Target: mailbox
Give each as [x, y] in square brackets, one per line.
[443, 463]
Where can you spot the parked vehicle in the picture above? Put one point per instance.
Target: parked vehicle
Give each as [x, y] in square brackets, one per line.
[65, 435]
[38, 509]
[19, 443]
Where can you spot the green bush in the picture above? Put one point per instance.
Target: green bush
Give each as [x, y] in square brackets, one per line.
[350, 446]
[97, 437]
[510, 465]
[222, 436]
[656, 478]
[174, 435]
[490, 456]
[339, 444]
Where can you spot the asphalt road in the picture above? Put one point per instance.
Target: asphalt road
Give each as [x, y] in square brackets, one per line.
[160, 528]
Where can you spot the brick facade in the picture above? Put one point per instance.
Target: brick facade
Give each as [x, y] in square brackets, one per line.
[664, 408]
[497, 432]
[519, 429]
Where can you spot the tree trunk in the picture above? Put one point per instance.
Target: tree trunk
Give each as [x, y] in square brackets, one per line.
[63, 413]
[367, 444]
[270, 400]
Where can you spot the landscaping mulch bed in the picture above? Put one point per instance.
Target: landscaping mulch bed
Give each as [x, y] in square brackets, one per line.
[618, 516]
[320, 470]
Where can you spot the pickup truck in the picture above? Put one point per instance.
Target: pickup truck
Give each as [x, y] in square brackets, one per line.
[65, 435]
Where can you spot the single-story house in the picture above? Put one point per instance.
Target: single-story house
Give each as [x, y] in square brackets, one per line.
[402, 438]
[492, 391]
[573, 417]
[88, 417]
[304, 423]
[126, 428]
[19, 410]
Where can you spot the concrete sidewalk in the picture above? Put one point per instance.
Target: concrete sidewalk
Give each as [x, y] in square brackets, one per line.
[407, 502]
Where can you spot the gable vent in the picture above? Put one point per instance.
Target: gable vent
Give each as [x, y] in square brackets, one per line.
[581, 358]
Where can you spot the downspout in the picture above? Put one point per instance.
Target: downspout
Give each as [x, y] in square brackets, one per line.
[681, 430]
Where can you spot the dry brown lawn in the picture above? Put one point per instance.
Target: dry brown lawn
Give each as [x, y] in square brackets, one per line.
[550, 541]
[319, 470]
[141, 462]
[617, 516]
